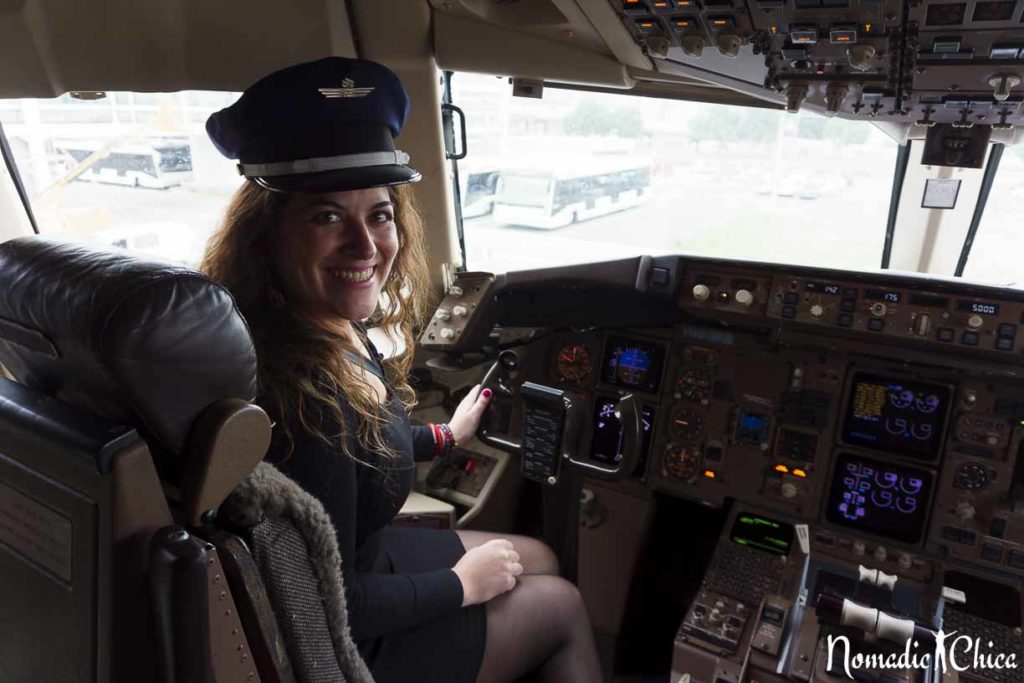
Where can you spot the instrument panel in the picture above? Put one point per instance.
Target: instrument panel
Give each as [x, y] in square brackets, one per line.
[886, 412]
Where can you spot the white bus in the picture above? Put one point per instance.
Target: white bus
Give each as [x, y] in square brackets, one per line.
[151, 163]
[478, 187]
[556, 198]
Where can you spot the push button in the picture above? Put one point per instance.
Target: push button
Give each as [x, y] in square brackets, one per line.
[791, 298]
[970, 338]
[1004, 344]
[789, 312]
[1016, 559]
[992, 553]
[876, 324]
[846, 320]
[1007, 330]
[945, 334]
[847, 305]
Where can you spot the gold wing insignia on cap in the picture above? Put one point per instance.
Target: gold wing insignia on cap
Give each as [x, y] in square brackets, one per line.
[348, 89]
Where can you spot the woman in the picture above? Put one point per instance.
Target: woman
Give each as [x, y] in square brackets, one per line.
[322, 235]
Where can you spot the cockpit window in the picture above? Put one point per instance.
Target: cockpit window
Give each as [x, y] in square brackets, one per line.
[581, 176]
[996, 253]
[129, 170]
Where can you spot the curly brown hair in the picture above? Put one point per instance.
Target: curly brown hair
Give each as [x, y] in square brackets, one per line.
[302, 367]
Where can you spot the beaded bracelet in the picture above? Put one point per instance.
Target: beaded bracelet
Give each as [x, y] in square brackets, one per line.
[444, 439]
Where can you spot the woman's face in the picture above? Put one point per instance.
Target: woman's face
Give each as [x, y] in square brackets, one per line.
[333, 252]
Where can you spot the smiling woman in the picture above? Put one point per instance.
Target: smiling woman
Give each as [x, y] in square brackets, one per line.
[333, 253]
[321, 239]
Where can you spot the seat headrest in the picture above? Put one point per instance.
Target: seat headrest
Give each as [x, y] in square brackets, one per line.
[145, 343]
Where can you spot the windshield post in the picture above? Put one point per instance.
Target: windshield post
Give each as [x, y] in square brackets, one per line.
[899, 175]
[12, 169]
[446, 98]
[979, 208]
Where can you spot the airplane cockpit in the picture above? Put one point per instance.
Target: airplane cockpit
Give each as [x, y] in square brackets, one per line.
[742, 276]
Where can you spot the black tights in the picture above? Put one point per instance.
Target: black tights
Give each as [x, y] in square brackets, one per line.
[540, 626]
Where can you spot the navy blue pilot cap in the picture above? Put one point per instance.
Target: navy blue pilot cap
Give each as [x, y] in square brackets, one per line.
[323, 126]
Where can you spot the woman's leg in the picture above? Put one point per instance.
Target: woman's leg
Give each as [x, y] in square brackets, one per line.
[535, 556]
[539, 626]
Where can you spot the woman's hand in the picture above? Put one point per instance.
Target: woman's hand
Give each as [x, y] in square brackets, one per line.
[487, 571]
[467, 416]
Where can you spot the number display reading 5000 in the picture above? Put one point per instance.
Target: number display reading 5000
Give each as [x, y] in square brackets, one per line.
[897, 416]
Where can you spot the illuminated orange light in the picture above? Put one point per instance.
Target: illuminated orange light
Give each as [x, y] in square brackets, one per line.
[719, 22]
[782, 468]
[800, 473]
[842, 39]
[710, 474]
[773, 29]
[682, 23]
[867, 27]
[661, 3]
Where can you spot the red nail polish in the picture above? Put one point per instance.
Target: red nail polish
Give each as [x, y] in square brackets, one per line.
[487, 393]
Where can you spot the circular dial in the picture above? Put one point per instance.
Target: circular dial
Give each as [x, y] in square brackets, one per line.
[971, 476]
[681, 462]
[573, 363]
[687, 424]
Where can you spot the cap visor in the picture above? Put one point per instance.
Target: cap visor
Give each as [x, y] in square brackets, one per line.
[342, 180]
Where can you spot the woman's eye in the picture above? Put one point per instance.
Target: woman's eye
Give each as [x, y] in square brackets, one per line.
[326, 218]
[383, 217]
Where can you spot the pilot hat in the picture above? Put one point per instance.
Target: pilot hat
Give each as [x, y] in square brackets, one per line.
[323, 126]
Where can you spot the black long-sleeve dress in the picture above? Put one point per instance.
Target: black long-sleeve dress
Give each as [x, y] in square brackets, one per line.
[404, 601]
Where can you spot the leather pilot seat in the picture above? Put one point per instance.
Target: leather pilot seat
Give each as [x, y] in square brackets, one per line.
[127, 426]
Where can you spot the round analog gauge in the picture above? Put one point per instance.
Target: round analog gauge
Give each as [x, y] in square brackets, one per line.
[573, 363]
[681, 462]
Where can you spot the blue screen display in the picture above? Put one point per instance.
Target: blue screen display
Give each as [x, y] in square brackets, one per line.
[879, 498]
[633, 364]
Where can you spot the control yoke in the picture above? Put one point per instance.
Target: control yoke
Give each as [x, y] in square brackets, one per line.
[564, 419]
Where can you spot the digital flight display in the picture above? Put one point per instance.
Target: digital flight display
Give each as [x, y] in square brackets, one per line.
[762, 533]
[633, 364]
[886, 295]
[898, 416]
[977, 307]
[879, 498]
[606, 445]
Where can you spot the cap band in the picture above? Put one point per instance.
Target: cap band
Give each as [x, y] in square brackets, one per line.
[320, 164]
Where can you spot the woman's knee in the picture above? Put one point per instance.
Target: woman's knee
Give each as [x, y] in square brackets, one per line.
[536, 556]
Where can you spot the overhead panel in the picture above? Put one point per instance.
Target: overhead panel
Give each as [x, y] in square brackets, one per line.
[959, 62]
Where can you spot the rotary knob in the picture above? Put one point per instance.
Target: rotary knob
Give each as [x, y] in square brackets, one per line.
[880, 553]
[447, 333]
[878, 309]
[906, 562]
[443, 314]
[975, 322]
[817, 311]
[859, 548]
[701, 292]
[460, 311]
[455, 291]
[715, 616]
[788, 490]
[744, 297]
